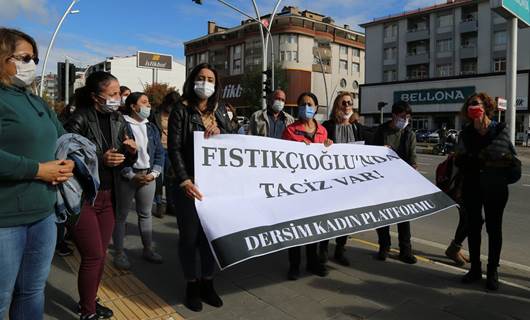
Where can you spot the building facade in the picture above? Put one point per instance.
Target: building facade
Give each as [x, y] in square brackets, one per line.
[136, 78]
[51, 87]
[431, 54]
[298, 37]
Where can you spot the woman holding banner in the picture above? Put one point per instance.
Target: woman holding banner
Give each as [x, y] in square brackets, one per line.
[198, 110]
[306, 129]
[486, 157]
[341, 128]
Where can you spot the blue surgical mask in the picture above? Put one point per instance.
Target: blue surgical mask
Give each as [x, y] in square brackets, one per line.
[144, 112]
[306, 112]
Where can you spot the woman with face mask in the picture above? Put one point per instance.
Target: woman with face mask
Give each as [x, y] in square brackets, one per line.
[29, 174]
[138, 181]
[484, 154]
[342, 127]
[96, 118]
[198, 110]
[306, 129]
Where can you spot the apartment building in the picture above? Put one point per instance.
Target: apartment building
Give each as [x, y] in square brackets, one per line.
[432, 55]
[297, 38]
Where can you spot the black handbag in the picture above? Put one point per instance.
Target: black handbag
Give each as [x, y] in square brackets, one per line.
[514, 171]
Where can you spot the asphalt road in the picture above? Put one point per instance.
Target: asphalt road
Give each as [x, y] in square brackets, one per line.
[440, 228]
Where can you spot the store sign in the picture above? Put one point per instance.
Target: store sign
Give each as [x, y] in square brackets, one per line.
[502, 104]
[434, 96]
[154, 60]
[519, 9]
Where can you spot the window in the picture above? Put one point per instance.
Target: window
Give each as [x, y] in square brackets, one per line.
[390, 53]
[499, 38]
[444, 70]
[391, 31]
[468, 66]
[356, 52]
[444, 45]
[201, 57]
[288, 38]
[237, 65]
[418, 71]
[343, 65]
[390, 75]
[355, 68]
[445, 21]
[343, 50]
[418, 48]
[289, 56]
[499, 65]
[237, 59]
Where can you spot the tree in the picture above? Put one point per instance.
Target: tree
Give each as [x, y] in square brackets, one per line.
[252, 84]
[157, 91]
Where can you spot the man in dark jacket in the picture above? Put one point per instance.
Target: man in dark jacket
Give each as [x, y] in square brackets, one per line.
[396, 134]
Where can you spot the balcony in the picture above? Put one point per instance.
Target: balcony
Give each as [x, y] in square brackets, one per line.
[419, 58]
[390, 61]
[469, 25]
[417, 34]
[468, 51]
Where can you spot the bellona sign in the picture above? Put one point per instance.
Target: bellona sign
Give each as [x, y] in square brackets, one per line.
[435, 96]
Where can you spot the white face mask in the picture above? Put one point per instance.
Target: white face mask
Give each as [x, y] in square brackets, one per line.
[145, 112]
[25, 73]
[204, 89]
[230, 115]
[348, 115]
[110, 105]
[402, 123]
[278, 105]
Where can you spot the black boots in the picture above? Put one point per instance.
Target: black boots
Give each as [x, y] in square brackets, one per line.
[201, 290]
[474, 274]
[492, 280]
[193, 296]
[382, 254]
[293, 273]
[209, 295]
[317, 268]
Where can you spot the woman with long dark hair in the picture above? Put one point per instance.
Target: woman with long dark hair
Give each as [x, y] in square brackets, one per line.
[306, 129]
[484, 156]
[198, 110]
[28, 175]
[138, 181]
[96, 118]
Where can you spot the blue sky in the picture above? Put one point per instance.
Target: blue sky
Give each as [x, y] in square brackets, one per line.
[121, 27]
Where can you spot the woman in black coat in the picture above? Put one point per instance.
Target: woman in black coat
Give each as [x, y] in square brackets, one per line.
[485, 156]
[198, 110]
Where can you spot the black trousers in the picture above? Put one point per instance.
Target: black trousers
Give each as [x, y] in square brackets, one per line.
[295, 255]
[462, 230]
[191, 240]
[403, 236]
[340, 244]
[493, 199]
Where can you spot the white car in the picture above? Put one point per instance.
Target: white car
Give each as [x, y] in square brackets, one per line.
[434, 137]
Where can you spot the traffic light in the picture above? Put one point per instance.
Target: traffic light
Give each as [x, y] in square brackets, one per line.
[61, 80]
[197, 1]
[268, 82]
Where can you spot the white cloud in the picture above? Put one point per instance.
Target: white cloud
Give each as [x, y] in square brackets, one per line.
[31, 8]
[161, 40]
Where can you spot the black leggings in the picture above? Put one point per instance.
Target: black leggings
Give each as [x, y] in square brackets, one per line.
[493, 199]
[191, 239]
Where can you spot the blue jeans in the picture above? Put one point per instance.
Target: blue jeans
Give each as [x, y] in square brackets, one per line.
[26, 254]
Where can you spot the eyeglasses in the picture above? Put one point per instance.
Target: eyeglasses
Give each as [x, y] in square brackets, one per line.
[26, 58]
[347, 103]
[475, 103]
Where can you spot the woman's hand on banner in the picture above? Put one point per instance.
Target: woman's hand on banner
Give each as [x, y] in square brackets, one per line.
[191, 190]
[328, 143]
[211, 131]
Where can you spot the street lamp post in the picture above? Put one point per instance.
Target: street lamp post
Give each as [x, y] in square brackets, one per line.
[68, 11]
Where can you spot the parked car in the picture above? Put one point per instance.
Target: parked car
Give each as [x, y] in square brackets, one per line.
[434, 137]
[421, 135]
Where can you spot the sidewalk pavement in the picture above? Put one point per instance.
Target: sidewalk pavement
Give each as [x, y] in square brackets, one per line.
[258, 289]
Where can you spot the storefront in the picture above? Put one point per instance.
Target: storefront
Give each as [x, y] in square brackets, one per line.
[436, 102]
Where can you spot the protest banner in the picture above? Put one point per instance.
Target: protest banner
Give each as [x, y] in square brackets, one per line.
[262, 195]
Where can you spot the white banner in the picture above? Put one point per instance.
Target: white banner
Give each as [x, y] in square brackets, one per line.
[262, 195]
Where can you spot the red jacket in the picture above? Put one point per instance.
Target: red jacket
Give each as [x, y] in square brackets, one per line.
[296, 132]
